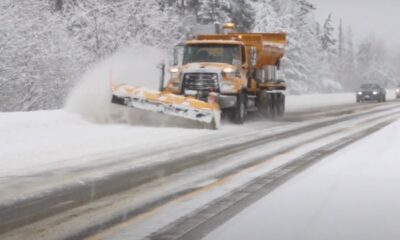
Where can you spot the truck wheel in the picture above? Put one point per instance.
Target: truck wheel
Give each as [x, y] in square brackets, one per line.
[280, 105]
[263, 104]
[239, 113]
[273, 105]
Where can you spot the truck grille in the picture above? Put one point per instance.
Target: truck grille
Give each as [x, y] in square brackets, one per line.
[200, 81]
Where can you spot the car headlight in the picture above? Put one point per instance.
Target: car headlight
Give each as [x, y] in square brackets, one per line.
[375, 92]
[359, 93]
[398, 90]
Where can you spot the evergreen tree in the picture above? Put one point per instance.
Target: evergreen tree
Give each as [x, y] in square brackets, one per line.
[266, 19]
[45, 46]
[340, 39]
[212, 11]
[241, 13]
[372, 62]
[347, 62]
[193, 8]
[303, 55]
[327, 39]
[38, 59]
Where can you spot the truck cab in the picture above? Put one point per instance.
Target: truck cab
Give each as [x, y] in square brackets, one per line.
[211, 67]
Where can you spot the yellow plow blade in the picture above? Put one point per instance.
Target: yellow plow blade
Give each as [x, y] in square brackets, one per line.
[168, 109]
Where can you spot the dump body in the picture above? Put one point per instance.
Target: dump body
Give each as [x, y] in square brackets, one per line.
[269, 46]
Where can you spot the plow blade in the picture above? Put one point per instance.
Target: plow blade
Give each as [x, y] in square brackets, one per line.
[167, 109]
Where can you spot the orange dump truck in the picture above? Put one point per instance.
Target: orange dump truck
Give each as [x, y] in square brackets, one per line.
[229, 73]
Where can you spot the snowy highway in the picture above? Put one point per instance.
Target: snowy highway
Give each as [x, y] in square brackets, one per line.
[140, 182]
[199, 120]
[352, 194]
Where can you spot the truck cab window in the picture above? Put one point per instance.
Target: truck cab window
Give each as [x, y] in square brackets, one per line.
[217, 53]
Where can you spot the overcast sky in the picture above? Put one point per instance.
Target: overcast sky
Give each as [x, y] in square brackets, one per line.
[380, 17]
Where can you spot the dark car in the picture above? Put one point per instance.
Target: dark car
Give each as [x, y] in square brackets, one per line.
[371, 92]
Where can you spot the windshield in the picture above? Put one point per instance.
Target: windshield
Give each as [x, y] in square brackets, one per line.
[211, 53]
[369, 86]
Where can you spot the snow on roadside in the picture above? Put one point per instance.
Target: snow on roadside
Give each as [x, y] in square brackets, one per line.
[307, 102]
[33, 140]
[352, 194]
[40, 140]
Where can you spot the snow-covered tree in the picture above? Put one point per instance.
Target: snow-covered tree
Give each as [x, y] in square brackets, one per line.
[372, 62]
[45, 44]
[104, 26]
[340, 39]
[241, 13]
[37, 59]
[212, 11]
[306, 70]
[328, 40]
[266, 18]
[345, 70]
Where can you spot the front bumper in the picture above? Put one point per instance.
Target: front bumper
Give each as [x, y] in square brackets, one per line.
[227, 101]
[368, 97]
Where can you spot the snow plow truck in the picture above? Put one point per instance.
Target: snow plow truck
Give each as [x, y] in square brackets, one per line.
[219, 72]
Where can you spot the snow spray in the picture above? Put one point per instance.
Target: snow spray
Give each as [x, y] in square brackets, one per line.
[91, 97]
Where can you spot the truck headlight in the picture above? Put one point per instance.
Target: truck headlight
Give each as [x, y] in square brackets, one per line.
[229, 72]
[228, 87]
[375, 92]
[175, 72]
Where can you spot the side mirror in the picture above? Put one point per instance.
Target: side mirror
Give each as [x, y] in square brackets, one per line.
[178, 55]
[236, 63]
[253, 56]
[161, 66]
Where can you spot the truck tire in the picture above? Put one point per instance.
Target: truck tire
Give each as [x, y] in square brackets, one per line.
[263, 104]
[273, 105]
[280, 105]
[239, 112]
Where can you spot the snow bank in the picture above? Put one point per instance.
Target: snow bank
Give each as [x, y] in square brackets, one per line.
[311, 101]
[135, 65]
[296, 103]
